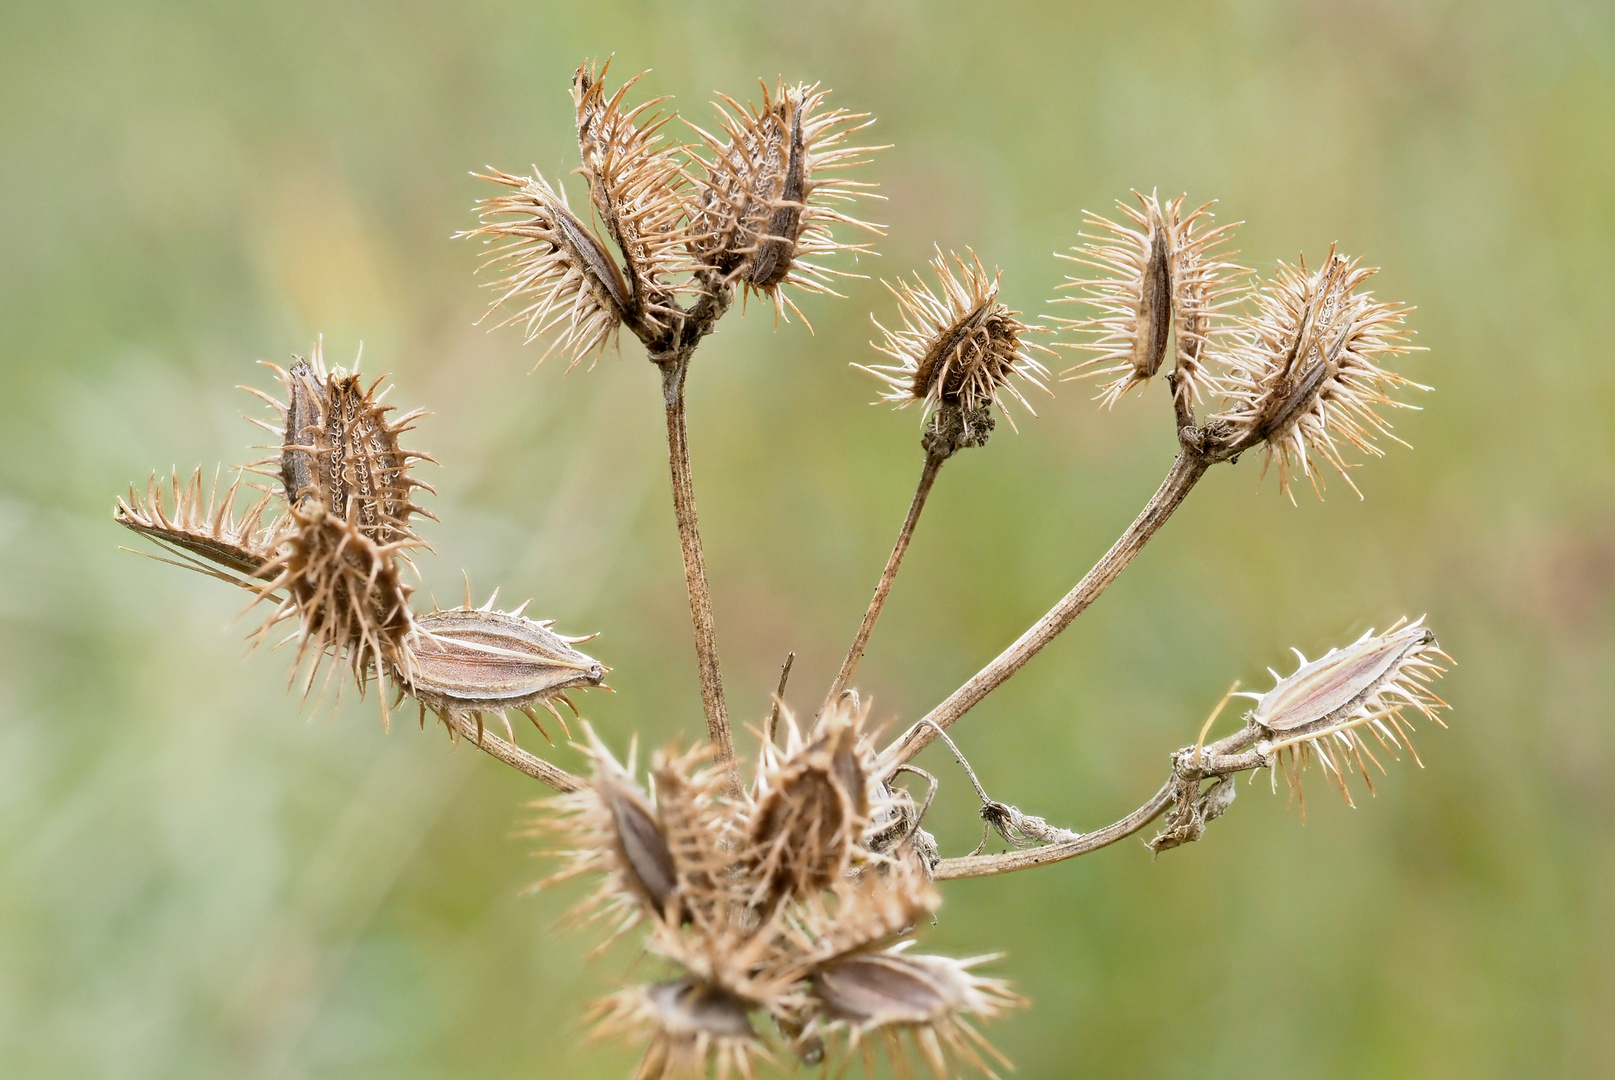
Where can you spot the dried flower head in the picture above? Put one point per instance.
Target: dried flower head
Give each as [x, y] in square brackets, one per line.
[1306, 372]
[637, 185]
[957, 351]
[557, 272]
[763, 206]
[205, 529]
[769, 905]
[1161, 270]
[1326, 707]
[469, 661]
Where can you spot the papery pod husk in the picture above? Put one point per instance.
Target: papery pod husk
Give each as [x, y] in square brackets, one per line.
[473, 660]
[637, 185]
[930, 1000]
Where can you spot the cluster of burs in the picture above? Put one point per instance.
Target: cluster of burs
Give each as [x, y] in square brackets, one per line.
[781, 900]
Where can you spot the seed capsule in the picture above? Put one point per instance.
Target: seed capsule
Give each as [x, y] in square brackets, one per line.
[469, 660]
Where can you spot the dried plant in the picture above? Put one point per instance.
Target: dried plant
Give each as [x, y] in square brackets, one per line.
[781, 908]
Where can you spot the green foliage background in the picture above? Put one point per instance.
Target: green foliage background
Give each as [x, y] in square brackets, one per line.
[196, 880]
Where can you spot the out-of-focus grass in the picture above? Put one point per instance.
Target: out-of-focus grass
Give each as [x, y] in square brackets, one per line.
[196, 881]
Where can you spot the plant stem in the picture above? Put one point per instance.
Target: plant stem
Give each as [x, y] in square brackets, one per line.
[516, 757]
[1186, 470]
[695, 570]
[1189, 766]
[983, 865]
[933, 465]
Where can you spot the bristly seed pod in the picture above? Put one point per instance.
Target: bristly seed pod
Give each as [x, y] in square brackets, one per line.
[338, 447]
[811, 805]
[344, 591]
[692, 1026]
[1328, 705]
[206, 529]
[760, 212]
[471, 661]
[559, 273]
[958, 351]
[928, 997]
[637, 187]
[1133, 296]
[1307, 371]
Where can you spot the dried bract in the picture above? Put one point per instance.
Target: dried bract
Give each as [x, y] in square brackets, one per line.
[203, 528]
[637, 185]
[1326, 707]
[475, 661]
[1306, 373]
[558, 273]
[1205, 286]
[958, 348]
[764, 206]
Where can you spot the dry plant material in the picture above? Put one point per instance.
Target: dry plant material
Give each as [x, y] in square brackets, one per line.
[781, 921]
[779, 910]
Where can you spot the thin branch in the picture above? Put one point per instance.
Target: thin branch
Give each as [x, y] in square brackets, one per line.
[516, 757]
[933, 465]
[1186, 471]
[695, 570]
[1190, 766]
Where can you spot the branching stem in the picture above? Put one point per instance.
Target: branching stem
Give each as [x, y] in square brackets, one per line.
[1190, 766]
[933, 465]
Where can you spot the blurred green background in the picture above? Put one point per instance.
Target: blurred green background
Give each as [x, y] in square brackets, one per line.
[198, 880]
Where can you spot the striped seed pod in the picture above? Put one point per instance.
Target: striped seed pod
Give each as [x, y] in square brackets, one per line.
[1327, 706]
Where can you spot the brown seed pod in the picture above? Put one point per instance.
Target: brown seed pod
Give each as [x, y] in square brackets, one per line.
[1132, 295]
[811, 805]
[763, 205]
[1326, 707]
[344, 591]
[959, 348]
[474, 661]
[611, 826]
[339, 447]
[638, 188]
[695, 1029]
[558, 273]
[206, 529]
[930, 999]
[1306, 371]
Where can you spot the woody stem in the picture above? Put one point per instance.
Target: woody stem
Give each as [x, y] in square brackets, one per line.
[933, 465]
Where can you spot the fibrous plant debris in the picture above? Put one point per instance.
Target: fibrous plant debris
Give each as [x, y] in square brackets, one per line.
[781, 907]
